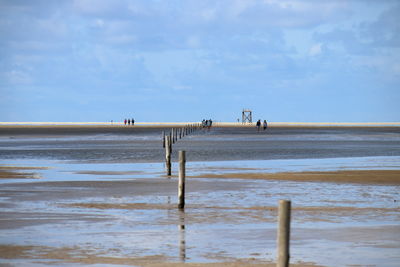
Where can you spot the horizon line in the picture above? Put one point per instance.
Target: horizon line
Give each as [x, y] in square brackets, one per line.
[216, 123]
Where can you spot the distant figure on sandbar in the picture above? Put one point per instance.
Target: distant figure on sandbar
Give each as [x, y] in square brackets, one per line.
[133, 122]
[265, 125]
[258, 124]
[129, 121]
[125, 121]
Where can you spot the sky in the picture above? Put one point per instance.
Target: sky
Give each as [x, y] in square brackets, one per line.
[188, 60]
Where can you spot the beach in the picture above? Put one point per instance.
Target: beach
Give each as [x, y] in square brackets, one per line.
[98, 194]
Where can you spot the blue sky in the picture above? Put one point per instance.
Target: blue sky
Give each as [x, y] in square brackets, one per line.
[299, 61]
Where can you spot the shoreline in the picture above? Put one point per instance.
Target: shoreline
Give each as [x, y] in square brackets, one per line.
[182, 124]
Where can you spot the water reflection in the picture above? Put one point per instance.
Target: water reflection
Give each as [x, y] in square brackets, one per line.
[182, 239]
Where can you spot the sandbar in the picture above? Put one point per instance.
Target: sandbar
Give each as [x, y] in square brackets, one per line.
[377, 177]
[80, 255]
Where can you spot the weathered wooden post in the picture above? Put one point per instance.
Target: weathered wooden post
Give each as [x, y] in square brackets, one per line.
[163, 139]
[181, 185]
[180, 133]
[283, 233]
[168, 149]
[173, 135]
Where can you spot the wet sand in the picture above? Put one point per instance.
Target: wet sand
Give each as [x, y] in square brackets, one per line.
[92, 210]
[19, 172]
[55, 211]
[9, 129]
[384, 177]
[82, 256]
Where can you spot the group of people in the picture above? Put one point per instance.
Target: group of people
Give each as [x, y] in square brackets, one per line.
[129, 121]
[206, 123]
[264, 124]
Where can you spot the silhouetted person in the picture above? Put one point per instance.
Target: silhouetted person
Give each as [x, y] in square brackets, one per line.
[129, 121]
[265, 125]
[125, 121]
[133, 122]
[258, 125]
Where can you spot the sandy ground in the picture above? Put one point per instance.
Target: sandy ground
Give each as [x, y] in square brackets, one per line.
[228, 211]
[81, 256]
[384, 177]
[69, 197]
[18, 172]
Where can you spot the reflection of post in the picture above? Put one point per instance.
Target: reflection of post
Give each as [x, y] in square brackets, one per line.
[182, 238]
[168, 154]
[283, 233]
[181, 186]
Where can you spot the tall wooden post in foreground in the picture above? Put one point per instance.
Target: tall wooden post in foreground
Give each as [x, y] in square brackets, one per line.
[181, 185]
[168, 149]
[283, 233]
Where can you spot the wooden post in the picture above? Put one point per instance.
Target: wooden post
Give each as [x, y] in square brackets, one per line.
[168, 154]
[283, 233]
[180, 133]
[173, 135]
[163, 139]
[181, 185]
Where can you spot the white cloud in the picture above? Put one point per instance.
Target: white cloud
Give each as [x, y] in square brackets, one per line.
[17, 77]
[315, 49]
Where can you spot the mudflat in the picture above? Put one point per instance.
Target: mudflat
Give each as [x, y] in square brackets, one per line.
[384, 177]
[99, 195]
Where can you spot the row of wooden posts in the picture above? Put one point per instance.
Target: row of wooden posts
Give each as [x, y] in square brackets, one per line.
[284, 210]
[172, 137]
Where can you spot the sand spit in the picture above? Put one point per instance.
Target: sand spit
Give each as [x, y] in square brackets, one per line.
[81, 255]
[384, 177]
[14, 172]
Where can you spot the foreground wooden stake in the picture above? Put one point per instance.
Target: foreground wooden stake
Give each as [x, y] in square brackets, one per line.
[168, 148]
[283, 233]
[181, 185]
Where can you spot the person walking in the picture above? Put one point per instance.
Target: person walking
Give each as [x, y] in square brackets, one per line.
[125, 121]
[265, 125]
[133, 121]
[129, 121]
[258, 124]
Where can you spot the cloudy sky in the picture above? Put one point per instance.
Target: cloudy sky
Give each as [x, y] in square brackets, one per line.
[170, 60]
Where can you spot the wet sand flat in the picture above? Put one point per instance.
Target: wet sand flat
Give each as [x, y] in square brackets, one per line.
[115, 222]
[384, 177]
[99, 195]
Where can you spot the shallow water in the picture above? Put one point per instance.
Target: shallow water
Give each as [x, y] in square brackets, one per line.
[333, 224]
[219, 144]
